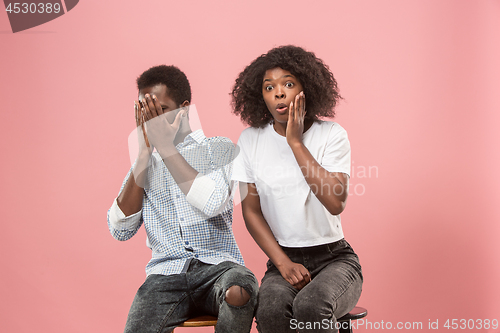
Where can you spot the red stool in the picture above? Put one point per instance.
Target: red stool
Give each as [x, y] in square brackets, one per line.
[354, 314]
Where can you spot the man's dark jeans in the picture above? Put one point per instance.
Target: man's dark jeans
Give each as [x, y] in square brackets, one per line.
[164, 302]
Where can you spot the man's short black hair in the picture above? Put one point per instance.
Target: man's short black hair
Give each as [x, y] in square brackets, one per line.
[178, 87]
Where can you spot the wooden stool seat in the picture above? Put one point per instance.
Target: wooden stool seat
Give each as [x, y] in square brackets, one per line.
[200, 321]
[203, 321]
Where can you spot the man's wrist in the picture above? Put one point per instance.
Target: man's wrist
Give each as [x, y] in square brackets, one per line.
[167, 150]
[144, 156]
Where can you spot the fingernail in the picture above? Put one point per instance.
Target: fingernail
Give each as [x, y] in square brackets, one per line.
[154, 97]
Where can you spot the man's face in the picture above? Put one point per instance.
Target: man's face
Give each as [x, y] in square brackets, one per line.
[167, 104]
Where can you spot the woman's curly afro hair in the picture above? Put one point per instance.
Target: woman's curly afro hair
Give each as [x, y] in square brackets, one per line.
[320, 87]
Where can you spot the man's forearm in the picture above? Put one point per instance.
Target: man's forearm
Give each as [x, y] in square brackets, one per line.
[207, 192]
[130, 198]
[183, 173]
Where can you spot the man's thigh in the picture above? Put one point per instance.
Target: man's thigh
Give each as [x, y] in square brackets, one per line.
[160, 304]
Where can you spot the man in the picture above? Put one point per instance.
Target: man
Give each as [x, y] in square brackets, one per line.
[182, 195]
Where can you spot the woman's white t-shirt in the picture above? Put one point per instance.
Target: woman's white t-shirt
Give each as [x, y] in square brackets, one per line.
[294, 214]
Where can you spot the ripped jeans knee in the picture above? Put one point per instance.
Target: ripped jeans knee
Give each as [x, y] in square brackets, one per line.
[237, 296]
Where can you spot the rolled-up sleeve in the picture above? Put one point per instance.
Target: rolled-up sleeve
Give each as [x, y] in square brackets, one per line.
[201, 191]
[211, 192]
[123, 227]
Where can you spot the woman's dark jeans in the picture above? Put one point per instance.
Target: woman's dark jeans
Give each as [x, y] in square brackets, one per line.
[165, 301]
[333, 291]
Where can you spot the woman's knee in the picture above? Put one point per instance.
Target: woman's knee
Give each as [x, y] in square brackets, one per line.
[308, 306]
[275, 301]
[274, 311]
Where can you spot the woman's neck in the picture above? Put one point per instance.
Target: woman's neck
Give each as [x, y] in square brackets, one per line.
[280, 128]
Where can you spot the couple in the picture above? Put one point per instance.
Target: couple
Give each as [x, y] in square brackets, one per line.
[182, 194]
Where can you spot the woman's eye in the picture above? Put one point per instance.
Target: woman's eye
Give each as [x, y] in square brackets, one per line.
[269, 88]
[289, 84]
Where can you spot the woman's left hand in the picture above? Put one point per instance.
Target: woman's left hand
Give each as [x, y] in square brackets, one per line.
[296, 115]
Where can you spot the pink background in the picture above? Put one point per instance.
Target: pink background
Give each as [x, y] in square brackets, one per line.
[419, 81]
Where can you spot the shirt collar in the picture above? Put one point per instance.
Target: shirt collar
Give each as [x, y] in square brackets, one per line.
[198, 136]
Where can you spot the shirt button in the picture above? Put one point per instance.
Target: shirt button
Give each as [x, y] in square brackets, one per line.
[196, 256]
[187, 243]
[182, 219]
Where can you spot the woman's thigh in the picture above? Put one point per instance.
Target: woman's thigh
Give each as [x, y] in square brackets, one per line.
[275, 300]
[332, 293]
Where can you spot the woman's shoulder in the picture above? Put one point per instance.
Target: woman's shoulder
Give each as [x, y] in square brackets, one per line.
[328, 127]
[252, 132]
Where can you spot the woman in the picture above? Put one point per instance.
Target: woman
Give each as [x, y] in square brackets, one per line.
[293, 171]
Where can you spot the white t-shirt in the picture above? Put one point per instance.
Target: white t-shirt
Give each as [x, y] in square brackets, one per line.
[296, 217]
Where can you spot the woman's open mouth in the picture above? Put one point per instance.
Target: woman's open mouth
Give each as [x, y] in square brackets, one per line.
[281, 108]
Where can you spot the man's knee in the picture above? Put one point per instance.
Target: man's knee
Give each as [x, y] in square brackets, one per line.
[237, 296]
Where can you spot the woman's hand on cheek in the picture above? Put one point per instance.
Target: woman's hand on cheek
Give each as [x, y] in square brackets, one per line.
[295, 124]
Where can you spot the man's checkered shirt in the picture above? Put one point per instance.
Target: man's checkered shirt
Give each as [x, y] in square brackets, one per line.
[176, 230]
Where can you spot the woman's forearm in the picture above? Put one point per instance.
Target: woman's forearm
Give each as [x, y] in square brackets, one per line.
[263, 236]
[296, 274]
[257, 226]
[331, 188]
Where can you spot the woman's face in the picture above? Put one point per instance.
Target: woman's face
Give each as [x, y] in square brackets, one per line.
[279, 88]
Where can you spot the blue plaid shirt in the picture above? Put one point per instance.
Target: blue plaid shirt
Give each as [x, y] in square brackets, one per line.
[177, 230]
